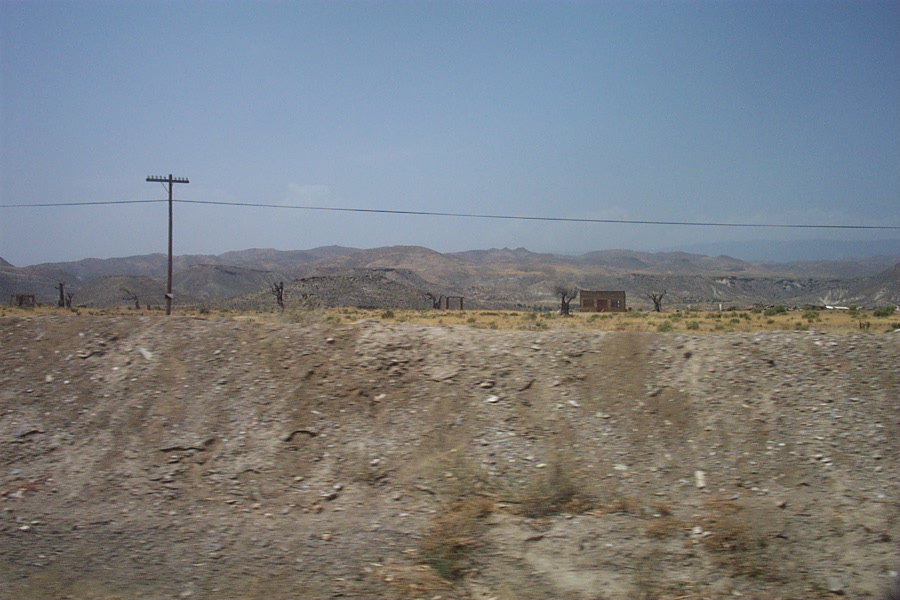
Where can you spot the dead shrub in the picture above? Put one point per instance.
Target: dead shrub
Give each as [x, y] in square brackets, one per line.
[454, 532]
[455, 477]
[413, 581]
[665, 527]
[628, 505]
[738, 542]
[552, 492]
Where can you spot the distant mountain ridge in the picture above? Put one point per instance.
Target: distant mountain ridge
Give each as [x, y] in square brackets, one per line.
[796, 250]
[497, 277]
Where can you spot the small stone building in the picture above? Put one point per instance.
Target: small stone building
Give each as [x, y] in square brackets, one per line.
[595, 301]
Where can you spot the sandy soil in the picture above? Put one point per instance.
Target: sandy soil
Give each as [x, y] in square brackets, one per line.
[145, 457]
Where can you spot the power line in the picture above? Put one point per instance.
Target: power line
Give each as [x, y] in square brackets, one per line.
[480, 215]
[96, 203]
[533, 218]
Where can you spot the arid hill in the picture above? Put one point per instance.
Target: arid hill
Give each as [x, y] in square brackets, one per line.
[154, 457]
[496, 278]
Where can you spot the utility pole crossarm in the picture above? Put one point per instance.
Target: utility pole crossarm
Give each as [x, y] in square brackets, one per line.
[170, 180]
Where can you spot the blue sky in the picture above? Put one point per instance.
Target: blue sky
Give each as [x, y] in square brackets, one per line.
[746, 112]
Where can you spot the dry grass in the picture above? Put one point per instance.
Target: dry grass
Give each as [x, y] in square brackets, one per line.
[695, 322]
[666, 526]
[413, 581]
[551, 492]
[738, 541]
[453, 535]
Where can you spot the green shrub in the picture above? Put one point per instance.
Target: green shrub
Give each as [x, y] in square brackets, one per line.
[884, 311]
[693, 325]
[665, 326]
[775, 310]
[388, 314]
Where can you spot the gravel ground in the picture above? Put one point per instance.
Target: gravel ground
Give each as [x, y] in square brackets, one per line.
[145, 457]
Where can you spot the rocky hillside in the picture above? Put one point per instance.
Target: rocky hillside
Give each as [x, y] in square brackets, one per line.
[125, 291]
[362, 288]
[494, 278]
[151, 457]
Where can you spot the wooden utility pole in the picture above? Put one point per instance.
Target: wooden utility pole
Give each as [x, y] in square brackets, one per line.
[170, 180]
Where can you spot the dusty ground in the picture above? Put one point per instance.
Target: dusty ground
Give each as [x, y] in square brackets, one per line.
[145, 457]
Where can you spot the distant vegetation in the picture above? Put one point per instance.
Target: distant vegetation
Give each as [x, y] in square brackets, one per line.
[403, 278]
[695, 322]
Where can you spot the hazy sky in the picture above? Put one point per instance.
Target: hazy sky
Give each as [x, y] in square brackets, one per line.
[749, 112]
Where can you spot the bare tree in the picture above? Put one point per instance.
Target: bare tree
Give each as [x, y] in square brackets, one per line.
[278, 292]
[62, 294]
[435, 301]
[657, 298]
[129, 295]
[566, 294]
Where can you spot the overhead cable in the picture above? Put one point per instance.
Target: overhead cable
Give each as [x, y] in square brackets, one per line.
[423, 213]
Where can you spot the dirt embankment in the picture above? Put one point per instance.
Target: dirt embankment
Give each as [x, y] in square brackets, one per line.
[148, 457]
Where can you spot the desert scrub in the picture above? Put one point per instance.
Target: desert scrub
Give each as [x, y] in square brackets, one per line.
[553, 491]
[454, 534]
[738, 541]
[884, 311]
[665, 526]
[693, 325]
[626, 505]
[302, 315]
[665, 326]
